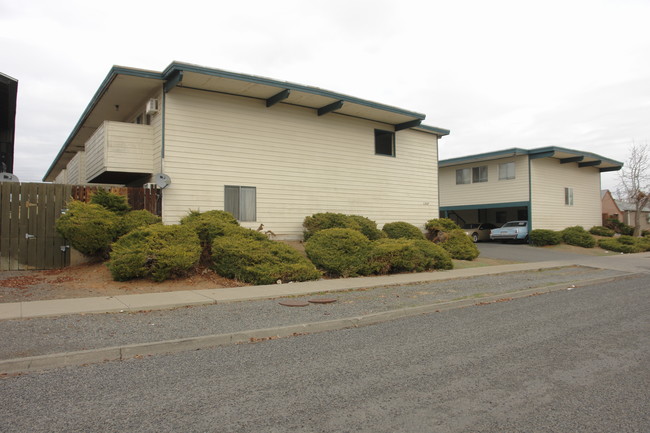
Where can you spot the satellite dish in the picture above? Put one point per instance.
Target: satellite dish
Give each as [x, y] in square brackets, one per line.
[8, 177]
[162, 180]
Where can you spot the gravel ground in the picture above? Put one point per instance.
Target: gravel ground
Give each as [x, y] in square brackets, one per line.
[40, 336]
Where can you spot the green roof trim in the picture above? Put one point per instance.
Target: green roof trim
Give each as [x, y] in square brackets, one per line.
[438, 131]
[542, 152]
[112, 74]
[179, 66]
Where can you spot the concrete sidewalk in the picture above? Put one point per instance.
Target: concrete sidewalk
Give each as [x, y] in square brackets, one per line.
[634, 263]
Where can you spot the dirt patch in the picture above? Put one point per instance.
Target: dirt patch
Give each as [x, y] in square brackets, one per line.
[95, 280]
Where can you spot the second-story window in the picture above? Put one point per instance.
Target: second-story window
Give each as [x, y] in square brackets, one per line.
[384, 142]
[507, 171]
[480, 174]
[463, 176]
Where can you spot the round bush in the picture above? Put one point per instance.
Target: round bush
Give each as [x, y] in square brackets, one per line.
[210, 224]
[613, 244]
[439, 257]
[397, 255]
[601, 231]
[436, 227]
[136, 218]
[619, 227]
[401, 229]
[260, 262]
[113, 202]
[339, 252]
[157, 251]
[578, 236]
[460, 246]
[542, 237]
[331, 220]
[89, 228]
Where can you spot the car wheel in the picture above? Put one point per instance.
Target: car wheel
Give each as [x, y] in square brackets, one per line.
[475, 237]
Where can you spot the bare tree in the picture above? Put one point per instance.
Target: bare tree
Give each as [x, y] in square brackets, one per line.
[634, 181]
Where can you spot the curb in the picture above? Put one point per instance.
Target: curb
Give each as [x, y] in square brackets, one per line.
[139, 350]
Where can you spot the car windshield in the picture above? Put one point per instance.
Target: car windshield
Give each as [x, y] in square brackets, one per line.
[515, 224]
[471, 226]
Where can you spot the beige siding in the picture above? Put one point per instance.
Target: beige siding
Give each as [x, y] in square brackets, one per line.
[549, 211]
[62, 177]
[77, 169]
[119, 147]
[156, 124]
[490, 192]
[299, 162]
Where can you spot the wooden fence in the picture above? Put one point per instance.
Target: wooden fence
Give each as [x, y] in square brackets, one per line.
[28, 214]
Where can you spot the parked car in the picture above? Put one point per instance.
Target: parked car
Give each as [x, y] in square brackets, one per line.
[515, 230]
[478, 232]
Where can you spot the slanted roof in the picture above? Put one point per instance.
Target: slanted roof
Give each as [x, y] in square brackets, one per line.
[583, 159]
[629, 207]
[127, 87]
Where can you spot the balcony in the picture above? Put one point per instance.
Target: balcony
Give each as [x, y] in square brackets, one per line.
[119, 153]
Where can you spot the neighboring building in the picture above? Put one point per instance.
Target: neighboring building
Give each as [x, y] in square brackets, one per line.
[551, 187]
[269, 151]
[8, 93]
[609, 207]
[628, 212]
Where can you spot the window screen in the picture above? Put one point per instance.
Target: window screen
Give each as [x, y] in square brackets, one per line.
[241, 201]
[507, 171]
[463, 175]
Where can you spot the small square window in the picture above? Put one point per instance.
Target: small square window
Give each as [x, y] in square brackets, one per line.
[384, 142]
[480, 174]
[568, 196]
[463, 176]
[507, 171]
[241, 201]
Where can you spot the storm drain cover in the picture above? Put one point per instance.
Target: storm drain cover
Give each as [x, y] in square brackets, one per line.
[322, 301]
[294, 303]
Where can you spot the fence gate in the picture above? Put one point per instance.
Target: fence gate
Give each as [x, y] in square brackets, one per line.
[28, 213]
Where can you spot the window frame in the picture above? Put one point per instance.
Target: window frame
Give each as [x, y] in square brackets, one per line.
[233, 204]
[381, 134]
[504, 171]
[568, 196]
[476, 174]
[464, 177]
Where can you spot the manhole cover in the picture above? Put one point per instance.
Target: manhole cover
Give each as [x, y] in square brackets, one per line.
[322, 301]
[294, 303]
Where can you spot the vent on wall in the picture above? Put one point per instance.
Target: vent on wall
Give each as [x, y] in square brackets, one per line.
[152, 106]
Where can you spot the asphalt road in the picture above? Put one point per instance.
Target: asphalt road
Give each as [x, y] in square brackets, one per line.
[519, 252]
[569, 361]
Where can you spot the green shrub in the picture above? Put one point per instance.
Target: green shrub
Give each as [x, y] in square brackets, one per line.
[601, 231]
[437, 226]
[460, 246]
[645, 233]
[438, 256]
[331, 220]
[89, 228]
[260, 262]
[135, 219]
[614, 244]
[156, 251]
[619, 227]
[113, 202]
[401, 229]
[542, 237]
[210, 224]
[368, 227]
[626, 240]
[578, 236]
[339, 252]
[397, 255]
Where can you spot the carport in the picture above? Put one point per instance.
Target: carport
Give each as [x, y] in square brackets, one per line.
[495, 213]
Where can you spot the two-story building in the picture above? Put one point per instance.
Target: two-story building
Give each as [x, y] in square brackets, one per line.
[551, 187]
[270, 152]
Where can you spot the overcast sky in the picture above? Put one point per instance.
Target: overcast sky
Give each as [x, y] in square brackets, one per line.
[498, 74]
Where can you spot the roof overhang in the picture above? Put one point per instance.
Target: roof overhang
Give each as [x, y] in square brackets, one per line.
[565, 156]
[124, 88]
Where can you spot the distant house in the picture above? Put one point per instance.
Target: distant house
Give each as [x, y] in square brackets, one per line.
[8, 93]
[622, 211]
[610, 207]
[268, 151]
[552, 187]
